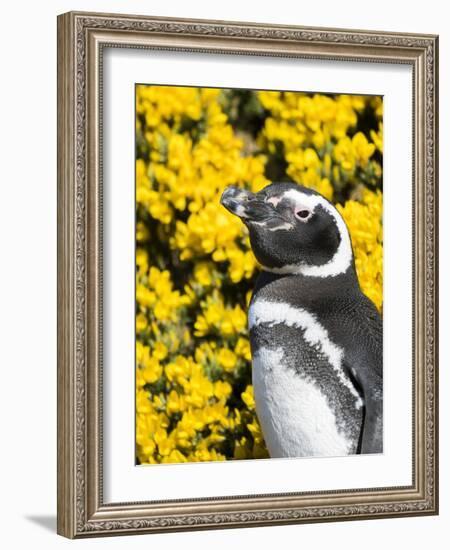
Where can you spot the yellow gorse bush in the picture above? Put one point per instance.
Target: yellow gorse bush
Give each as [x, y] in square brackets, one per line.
[194, 266]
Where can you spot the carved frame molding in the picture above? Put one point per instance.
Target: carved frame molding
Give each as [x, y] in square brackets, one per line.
[81, 39]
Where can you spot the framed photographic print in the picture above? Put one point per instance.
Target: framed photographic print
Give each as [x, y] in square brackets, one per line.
[247, 288]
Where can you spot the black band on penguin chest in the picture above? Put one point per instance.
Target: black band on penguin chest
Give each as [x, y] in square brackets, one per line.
[311, 364]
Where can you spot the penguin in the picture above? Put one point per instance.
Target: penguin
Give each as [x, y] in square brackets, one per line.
[316, 339]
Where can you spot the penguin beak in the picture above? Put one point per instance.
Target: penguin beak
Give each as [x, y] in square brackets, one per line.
[245, 205]
[236, 200]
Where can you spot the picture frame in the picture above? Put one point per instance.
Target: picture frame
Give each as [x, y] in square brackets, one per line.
[82, 40]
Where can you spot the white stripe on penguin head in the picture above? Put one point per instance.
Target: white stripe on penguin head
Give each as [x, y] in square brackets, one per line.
[342, 258]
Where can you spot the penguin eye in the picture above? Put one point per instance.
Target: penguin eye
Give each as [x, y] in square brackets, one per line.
[303, 214]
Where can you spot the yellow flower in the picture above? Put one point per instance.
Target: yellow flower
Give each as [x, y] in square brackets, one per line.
[141, 260]
[178, 370]
[248, 398]
[255, 429]
[227, 359]
[155, 294]
[242, 348]
[222, 390]
[355, 151]
[142, 232]
[239, 319]
[194, 265]
[175, 402]
[377, 137]
[144, 296]
[159, 351]
[174, 456]
[165, 443]
[344, 154]
[141, 322]
[364, 221]
[242, 264]
[362, 148]
[202, 273]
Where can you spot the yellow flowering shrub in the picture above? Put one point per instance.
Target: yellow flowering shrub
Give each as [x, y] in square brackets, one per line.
[194, 266]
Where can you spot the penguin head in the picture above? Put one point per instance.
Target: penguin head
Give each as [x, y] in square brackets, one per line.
[293, 230]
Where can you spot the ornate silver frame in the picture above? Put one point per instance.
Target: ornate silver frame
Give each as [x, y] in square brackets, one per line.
[81, 38]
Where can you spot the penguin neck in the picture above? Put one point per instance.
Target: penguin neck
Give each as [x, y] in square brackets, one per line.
[306, 287]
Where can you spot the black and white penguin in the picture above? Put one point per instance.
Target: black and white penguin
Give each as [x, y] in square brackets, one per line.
[316, 339]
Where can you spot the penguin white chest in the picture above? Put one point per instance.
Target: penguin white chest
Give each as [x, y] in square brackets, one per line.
[295, 417]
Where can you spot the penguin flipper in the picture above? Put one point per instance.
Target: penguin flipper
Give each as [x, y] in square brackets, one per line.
[366, 366]
[372, 431]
